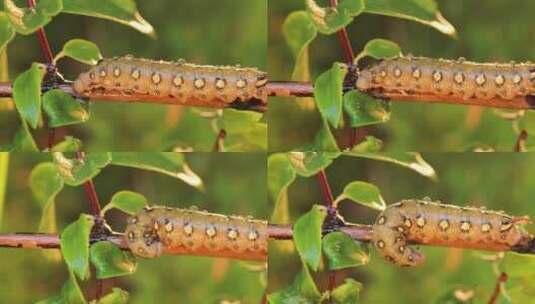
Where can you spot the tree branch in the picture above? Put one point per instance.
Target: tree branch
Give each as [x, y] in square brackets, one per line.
[91, 193]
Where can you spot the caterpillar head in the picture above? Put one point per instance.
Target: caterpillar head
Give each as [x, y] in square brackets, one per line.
[142, 236]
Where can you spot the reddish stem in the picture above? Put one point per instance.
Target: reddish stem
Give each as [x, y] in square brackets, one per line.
[325, 189]
[90, 191]
[43, 41]
[343, 38]
[501, 279]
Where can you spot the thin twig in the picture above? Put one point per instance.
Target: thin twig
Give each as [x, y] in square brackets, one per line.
[218, 144]
[325, 189]
[343, 39]
[520, 145]
[501, 279]
[91, 193]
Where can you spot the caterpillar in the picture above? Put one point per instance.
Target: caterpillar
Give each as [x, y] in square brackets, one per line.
[433, 223]
[156, 230]
[179, 82]
[459, 78]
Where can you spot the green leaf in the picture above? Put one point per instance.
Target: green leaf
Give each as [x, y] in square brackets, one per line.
[423, 11]
[127, 201]
[303, 290]
[324, 140]
[62, 109]
[344, 252]
[75, 245]
[328, 93]
[172, 164]
[76, 172]
[310, 163]
[110, 261]
[307, 236]
[26, 20]
[23, 141]
[4, 165]
[409, 160]
[81, 50]
[329, 20]
[347, 293]
[281, 174]
[520, 269]
[244, 131]
[46, 183]
[27, 94]
[363, 193]
[7, 32]
[364, 110]
[299, 31]
[381, 49]
[68, 144]
[121, 11]
[117, 296]
[370, 144]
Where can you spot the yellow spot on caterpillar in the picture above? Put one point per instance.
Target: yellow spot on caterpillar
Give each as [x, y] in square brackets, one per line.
[211, 232]
[381, 244]
[261, 82]
[169, 227]
[499, 80]
[480, 79]
[241, 83]
[102, 73]
[444, 225]
[517, 79]
[220, 83]
[156, 78]
[465, 226]
[188, 229]
[381, 220]
[135, 74]
[198, 83]
[408, 223]
[232, 234]
[458, 77]
[178, 81]
[131, 235]
[397, 72]
[116, 72]
[420, 221]
[485, 227]
[437, 76]
[416, 73]
[253, 235]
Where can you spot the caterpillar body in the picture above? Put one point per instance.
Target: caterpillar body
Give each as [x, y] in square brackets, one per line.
[130, 78]
[156, 230]
[431, 223]
[459, 78]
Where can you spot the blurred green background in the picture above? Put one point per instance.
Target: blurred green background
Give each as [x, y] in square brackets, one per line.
[202, 31]
[500, 181]
[234, 183]
[492, 30]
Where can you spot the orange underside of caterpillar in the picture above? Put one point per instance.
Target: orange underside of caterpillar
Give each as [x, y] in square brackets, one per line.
[135, 79]
[157, 230]
[450, 79]
[430, 223]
